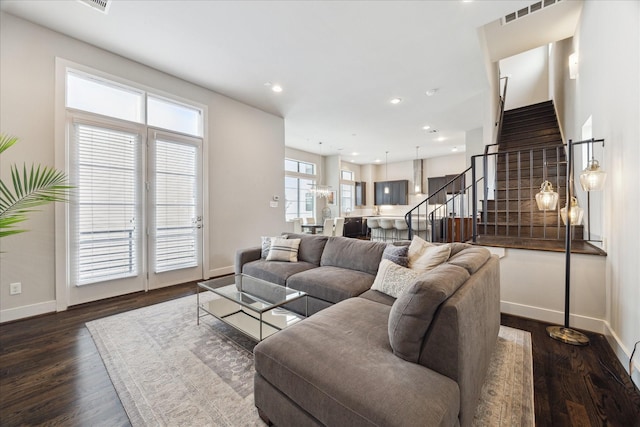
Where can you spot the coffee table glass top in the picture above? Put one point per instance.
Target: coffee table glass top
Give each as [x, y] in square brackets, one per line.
[253, 306]
[258, 295]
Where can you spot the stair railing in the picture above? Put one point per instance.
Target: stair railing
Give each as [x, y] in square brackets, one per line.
[501, 101]
[461, 218]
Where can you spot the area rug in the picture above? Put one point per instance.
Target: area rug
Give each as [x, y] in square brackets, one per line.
[168, 371]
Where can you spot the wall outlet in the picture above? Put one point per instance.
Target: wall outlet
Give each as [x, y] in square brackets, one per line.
[15, 288]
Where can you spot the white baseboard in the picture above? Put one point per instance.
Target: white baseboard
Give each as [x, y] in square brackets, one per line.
[553, 316]
[27, 311]
[622, 353]
[222, 271]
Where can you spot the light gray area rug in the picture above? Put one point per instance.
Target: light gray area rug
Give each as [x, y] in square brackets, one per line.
[168, 371]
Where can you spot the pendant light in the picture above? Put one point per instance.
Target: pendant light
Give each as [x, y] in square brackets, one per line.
[547, 199]
[576, 213]
[386, 173]
[417, 173]
[592, 177]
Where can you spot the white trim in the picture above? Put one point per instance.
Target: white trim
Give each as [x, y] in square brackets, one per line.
[27, 311]
[622, 353]
[222, 271]
[552, 316]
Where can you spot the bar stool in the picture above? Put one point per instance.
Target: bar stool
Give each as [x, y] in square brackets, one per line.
[420, 228]
[402, 229]
[387, 224]
[374, 228]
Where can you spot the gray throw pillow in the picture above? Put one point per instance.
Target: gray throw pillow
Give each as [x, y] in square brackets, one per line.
[413, 311]
[397, 254]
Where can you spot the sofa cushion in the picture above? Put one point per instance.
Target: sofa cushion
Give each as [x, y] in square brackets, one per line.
[397, 254]
[311, 247]
[392, 278]
[338, 366]
[378, 296]
[414, 309]
[331, 284]
[353, 254]
[275, 271]
[471, 258]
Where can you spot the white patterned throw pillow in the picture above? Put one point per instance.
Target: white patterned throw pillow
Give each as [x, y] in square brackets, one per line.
[392, 279]
[283, 250]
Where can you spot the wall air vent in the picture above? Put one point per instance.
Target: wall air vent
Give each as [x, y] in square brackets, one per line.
[528, 10]
[101, 5]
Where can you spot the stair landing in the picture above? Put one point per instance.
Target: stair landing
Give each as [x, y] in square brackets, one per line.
[577, 246]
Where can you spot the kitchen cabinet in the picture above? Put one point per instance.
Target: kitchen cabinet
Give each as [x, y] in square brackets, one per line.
[355, 226]
[398, 192]
[361, 194]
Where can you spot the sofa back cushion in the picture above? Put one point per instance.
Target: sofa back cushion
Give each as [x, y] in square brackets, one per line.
[471, 258]
[311, 247]
[354, 254]
[413, 311]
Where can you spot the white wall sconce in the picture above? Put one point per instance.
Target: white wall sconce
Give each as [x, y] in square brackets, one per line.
[573, 66]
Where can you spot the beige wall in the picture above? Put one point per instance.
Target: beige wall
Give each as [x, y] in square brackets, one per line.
[528, 77]
[245, 157]
[608, 89]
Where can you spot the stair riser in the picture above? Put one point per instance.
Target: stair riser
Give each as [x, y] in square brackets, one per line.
[525, 141]
[524, 194]
[556, 233]
[536, 218]
[525, 183]
[536, 172]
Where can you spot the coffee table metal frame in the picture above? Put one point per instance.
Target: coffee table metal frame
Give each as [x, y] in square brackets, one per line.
[254, 316]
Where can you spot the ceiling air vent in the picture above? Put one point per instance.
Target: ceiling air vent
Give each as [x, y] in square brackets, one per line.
[101, 5]
[528, 10]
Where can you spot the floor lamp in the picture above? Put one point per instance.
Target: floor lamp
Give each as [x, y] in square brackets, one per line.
[591, 179]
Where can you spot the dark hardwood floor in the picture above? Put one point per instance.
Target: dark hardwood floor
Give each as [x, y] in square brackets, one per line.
[51, 372]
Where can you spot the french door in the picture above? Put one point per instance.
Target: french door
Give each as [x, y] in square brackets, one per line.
[136, 218]
[174, 198]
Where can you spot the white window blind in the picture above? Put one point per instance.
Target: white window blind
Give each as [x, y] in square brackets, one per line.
[176, 196]
[105, 217]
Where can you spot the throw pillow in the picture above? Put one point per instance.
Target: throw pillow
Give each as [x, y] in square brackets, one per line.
[397, 254]
[392, 279]
[425, 256]
[266, 244]
[283, 250]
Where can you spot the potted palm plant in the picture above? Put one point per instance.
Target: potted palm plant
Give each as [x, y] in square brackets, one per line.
[30, 187]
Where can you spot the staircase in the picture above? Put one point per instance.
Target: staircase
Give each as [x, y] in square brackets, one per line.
[530, 151]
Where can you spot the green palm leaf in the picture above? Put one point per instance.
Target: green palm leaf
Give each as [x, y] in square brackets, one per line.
[32, 187]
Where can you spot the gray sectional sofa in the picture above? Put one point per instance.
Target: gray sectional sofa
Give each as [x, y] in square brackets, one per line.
[367, 359]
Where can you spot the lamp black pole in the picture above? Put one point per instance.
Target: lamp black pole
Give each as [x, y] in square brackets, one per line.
[565, 333]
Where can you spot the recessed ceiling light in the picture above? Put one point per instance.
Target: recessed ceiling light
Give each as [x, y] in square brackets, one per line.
[442, 138]
[426, 127]
[454, 149]
[431, 92]
[276, 88]
[377, 160]
[395, 101]
[354, 154]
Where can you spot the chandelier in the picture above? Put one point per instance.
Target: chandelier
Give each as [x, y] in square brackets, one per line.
[319, 190]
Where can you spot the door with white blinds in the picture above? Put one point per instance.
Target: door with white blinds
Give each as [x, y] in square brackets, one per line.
[175, 209]
[106, 215]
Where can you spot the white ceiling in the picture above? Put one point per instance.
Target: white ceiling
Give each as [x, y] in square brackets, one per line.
[339, 62]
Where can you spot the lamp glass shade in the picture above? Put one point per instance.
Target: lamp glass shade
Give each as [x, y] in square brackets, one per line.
[592, 177]
[576, 213]
[546, 199]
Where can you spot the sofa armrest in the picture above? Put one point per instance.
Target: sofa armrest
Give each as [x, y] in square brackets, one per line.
[244, 256]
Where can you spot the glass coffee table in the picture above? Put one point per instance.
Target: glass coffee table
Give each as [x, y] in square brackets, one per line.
[252, 306]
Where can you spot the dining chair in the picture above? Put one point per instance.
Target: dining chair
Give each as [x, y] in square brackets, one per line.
[297, 225]
[338, 226]
[309, 220]
[327, 228]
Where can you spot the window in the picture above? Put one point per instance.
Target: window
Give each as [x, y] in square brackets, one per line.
[138, 197]
[347, 190]
[299, 179]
